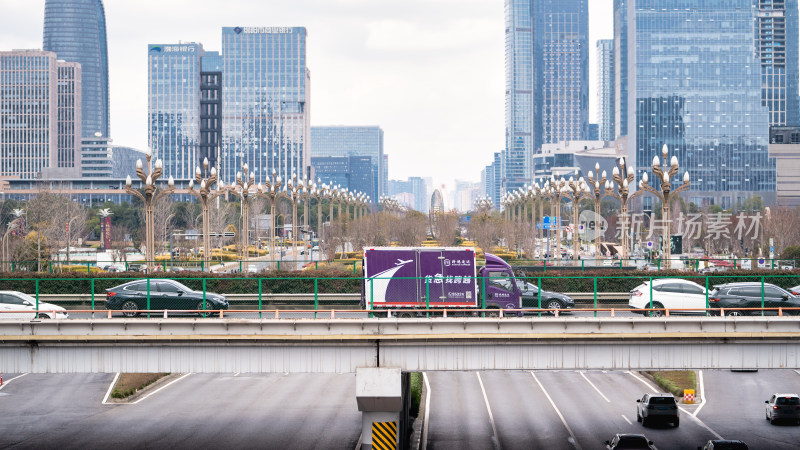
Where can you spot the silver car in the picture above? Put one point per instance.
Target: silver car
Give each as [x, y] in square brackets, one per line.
[657, 407]
[783, 407]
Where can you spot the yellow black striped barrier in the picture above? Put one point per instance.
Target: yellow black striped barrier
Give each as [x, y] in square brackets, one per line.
[384, 435]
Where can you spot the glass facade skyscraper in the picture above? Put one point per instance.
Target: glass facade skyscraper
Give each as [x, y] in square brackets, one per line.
[173, 112]
[354, 141]
[776, 43]
[76, 31]
[519, 103]
[605, 89]
[265, 102]
[547, 80]
[694, 83]
[39, 110]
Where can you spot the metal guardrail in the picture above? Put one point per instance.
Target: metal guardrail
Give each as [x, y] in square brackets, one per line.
[298, 300]
[300, 314]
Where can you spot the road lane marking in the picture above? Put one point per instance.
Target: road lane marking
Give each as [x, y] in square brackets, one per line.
[496, 438]
[797, 371]
[110, 387]
[626, 419]
[702, 393]
[426, 423]
[162, 387]
[595, 388]
[691, 416]
[236, 374]
[574, 440]
[5, 383]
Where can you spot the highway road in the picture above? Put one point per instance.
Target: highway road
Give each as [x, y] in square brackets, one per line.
[580, 410]
[306, 411]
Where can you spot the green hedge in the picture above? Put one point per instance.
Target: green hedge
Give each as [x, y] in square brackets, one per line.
[328, 281]
[624, 281]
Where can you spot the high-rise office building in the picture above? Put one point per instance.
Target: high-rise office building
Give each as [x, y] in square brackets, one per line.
[547, 80]
[777, 47]
[40, 103]
[354, 173]
[265, 102]
[76, 31]
[354, 141]
[605, 89]
[210, 107]
[691, 79]
[173, 106]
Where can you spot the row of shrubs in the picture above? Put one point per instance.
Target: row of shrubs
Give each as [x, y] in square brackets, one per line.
[330, 280]
[286, 282]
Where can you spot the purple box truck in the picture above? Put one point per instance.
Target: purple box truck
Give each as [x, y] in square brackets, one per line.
[439, 277]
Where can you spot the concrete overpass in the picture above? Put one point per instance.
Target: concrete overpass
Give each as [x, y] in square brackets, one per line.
[342, 345]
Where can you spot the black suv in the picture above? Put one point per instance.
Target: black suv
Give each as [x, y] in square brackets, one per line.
[731, 296]
[164, 294]
[657, 407]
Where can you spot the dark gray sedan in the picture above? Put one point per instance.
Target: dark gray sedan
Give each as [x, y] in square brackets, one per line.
[160, 294]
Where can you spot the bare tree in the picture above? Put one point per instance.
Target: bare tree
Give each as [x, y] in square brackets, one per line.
[414, 229]
[484, 229]
[781, 225]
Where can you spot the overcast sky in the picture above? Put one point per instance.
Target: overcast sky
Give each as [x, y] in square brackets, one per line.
[429, 72]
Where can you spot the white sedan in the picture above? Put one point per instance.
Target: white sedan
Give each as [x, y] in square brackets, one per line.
[676, 295]
[20, 303]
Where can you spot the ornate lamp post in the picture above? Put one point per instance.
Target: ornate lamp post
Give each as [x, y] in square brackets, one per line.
[596, 187]
[578, 190]
[245, 182]
[151, 195]
[483, 204]
[666, 194]
[205, 195]
[623, 196]
[271, 190]
[556, 191]
[6, 250]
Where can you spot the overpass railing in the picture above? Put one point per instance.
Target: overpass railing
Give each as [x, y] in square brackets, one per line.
[250, 296]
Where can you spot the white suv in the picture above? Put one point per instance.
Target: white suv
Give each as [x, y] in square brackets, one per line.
[679, 296]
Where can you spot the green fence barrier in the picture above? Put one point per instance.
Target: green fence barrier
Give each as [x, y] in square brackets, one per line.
[311, 297]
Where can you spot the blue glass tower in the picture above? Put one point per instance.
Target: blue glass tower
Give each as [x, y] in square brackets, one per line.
[547, 80]
[76, 31]
[776, 43]
[173, 106]
[354, 141]
[265, 102]
[694, 83]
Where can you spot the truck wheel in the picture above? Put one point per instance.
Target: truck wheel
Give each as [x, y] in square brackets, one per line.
[405, 315]
[494, 311]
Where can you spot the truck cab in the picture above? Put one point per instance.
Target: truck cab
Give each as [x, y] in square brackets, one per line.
[501, 286]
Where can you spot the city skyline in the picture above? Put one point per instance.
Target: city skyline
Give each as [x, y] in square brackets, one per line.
[370, 65]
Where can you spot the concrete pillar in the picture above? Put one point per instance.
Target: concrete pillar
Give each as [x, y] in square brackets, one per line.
[379, 398]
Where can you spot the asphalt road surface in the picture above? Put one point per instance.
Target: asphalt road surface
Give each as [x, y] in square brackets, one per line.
[305, 411]
[580, 410]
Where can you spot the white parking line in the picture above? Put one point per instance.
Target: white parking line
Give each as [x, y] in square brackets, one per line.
[5, 383]
[110, 387]
[496, 438]
[574, 441]
[626, 419]
[426, 424]
[162, 387]
[595, 388]
[702, 392]
[105, 401]
[693, 417]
